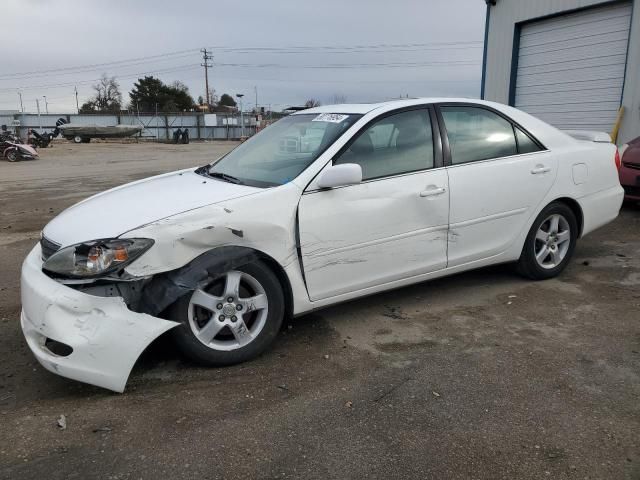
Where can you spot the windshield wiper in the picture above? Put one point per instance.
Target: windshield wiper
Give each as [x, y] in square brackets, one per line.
[226, 177]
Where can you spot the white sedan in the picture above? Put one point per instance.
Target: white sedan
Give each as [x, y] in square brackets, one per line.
[326, 205]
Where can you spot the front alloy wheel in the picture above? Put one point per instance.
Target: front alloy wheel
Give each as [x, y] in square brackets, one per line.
[229, 321]
[232, 319]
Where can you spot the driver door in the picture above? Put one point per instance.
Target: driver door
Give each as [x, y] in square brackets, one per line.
[391, 226]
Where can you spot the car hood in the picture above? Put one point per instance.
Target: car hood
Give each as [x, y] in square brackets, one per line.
[114, 212]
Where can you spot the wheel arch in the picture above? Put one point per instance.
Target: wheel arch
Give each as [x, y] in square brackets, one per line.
[164, 289]
[575, 208]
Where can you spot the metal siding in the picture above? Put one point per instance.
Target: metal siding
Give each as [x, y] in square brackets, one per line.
[570, 56]
[630, 128]
[507, 14]
[504, 16]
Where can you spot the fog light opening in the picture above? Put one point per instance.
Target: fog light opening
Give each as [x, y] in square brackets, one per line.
[58, 348]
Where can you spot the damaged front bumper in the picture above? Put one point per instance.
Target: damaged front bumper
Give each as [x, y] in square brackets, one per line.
[106, 337]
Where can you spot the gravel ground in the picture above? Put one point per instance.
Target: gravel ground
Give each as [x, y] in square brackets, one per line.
[480, 375]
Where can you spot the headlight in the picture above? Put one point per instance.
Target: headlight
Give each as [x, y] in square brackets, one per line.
[97, 257]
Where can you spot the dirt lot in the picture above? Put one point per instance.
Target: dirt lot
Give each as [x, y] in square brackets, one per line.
[482, 375]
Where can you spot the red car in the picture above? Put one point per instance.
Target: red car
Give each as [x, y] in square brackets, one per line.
[630, 170]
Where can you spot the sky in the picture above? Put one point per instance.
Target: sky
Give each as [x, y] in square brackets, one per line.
[287, 50]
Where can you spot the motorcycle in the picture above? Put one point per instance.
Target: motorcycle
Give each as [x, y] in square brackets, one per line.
[14, 151]
[41, 140]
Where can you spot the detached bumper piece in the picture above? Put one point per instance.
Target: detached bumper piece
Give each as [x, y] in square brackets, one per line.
[91, 339]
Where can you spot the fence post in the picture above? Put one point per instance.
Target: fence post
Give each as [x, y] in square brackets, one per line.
[198, 117]
[166, 127]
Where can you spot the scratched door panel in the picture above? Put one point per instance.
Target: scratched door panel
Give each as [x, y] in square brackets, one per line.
[492, 201]
[372, 233]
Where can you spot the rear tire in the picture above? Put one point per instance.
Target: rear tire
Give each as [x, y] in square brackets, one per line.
[77, 139]
[550, 243]
[231, 320]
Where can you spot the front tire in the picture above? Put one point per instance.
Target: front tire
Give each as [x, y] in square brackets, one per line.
[550, 243]
[12, 156]
[77, 139]
[231, 320]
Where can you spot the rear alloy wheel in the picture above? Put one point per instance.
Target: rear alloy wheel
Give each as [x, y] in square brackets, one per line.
[77, 139]
[233, 319]
[550, 243]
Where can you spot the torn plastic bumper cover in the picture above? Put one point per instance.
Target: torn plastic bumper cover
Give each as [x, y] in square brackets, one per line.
[105, 337]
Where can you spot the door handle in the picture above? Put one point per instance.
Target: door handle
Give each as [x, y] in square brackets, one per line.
[540, 169]
[430, 192]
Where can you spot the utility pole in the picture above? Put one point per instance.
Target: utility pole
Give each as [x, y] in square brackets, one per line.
[39, 121]
[46, 104]
[21, 106]
[240, 95]
[256, 90]
[206, 57]
[77, 105]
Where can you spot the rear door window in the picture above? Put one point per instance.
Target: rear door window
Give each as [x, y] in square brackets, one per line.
[477, 134]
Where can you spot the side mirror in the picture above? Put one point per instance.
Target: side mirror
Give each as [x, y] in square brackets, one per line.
[340, 175]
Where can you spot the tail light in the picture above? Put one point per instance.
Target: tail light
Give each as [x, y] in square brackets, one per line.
[623, 148]
[617, 159]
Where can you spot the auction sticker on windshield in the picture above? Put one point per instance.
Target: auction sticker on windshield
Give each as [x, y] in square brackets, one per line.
[330, 117]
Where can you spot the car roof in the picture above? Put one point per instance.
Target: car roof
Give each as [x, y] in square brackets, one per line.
[363, 108]
[548, 135]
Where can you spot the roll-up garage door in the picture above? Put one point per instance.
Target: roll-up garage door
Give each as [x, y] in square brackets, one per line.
[571, 68]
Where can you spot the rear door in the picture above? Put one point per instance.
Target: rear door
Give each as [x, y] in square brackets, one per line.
[391, 226]
[498, 175]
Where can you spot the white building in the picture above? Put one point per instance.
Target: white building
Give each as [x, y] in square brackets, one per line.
[572, 63]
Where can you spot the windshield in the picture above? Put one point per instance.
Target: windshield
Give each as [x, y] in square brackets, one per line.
[282, 151]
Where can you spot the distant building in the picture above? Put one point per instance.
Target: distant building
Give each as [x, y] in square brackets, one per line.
[572, 63]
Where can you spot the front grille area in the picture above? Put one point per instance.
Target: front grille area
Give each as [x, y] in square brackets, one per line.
[48, 247]
[631, 191]
[635, 166]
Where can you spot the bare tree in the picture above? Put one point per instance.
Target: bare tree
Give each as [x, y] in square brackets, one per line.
[178, 85]
[338, 98]
[312, 102]
[108, 97]
[213, 96]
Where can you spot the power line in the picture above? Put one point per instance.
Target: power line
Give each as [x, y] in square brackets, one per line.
[134, 75]
[353, 65]
[274, 65]
[99, 65]
[331, 48]
[90, 69]
[249, 49]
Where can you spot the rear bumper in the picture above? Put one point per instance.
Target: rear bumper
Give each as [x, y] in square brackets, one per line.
[600, 208]
[106, 337]
[630, 181]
